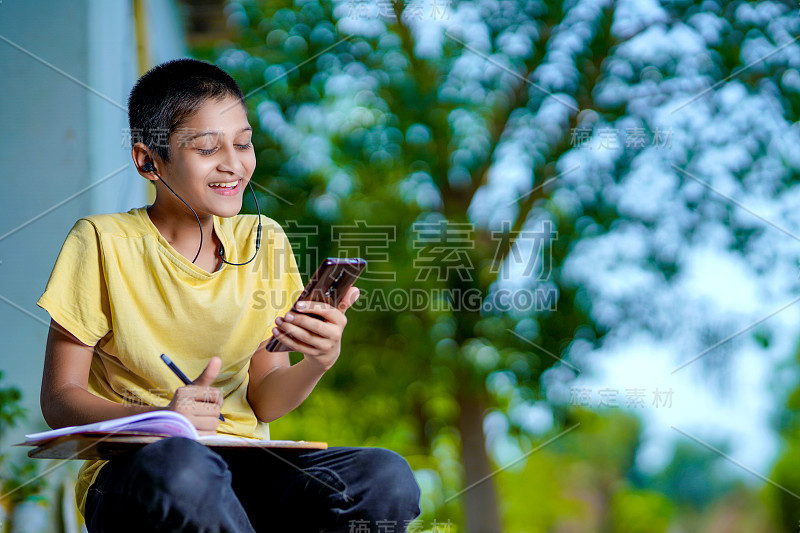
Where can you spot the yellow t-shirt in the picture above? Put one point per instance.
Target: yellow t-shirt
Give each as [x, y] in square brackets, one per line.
[119, 286]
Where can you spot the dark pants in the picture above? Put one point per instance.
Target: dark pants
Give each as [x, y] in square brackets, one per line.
[177, 484]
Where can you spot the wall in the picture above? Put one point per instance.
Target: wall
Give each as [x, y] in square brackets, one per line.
[68, 69]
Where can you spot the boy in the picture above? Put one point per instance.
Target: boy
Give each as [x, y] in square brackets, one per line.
[130, 286]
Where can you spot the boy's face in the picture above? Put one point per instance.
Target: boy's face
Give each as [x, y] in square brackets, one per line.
[211, 159]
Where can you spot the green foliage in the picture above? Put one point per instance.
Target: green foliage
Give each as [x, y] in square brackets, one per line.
[608, 440]
[636, 511]
[11, 412]
[581, 481]
[543, 495]
[785, 498]
[19, 480]
[784, 495]
[22, 480]
[695, 477]
[363, 128]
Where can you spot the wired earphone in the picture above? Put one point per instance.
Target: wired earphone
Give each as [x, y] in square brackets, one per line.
[150, 167]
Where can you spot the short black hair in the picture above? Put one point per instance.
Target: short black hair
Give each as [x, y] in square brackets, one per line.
[169, 94]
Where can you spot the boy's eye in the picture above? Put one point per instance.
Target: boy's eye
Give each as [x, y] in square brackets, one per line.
[209, 151]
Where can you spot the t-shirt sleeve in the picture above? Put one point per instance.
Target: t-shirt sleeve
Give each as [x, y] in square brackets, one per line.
[76, 295]
[287, 274]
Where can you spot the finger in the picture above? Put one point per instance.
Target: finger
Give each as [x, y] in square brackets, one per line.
[210, 395]
[196, 393]
[327, 312]
[317, 327]
[209, 373]
[303, 335]
[293, 344]
[313, 306]
[349, 299]
[205, 423]
[203, 409]
[197, 405]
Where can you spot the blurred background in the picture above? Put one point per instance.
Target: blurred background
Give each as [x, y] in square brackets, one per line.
[580, 312]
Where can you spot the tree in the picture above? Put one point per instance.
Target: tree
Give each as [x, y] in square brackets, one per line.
[560, 141]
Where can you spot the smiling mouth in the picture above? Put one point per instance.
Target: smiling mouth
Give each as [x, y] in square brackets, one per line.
[224, 185]
[226, 188]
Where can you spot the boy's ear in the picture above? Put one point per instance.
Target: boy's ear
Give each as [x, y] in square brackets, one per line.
[143, 161]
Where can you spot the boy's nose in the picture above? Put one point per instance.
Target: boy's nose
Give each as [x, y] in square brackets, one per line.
[232, 162]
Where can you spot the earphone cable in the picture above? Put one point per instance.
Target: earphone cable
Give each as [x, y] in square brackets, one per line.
[258, 232]
[221, 252]
[193, 211]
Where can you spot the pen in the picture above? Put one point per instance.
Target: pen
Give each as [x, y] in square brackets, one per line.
[172, 366]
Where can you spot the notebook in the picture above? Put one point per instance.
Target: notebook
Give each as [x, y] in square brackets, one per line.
[105, 439]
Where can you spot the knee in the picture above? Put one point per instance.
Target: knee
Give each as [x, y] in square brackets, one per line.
[179, 465]
[393, 479]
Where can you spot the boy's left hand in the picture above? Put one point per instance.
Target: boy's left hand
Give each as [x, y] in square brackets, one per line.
[319, 341]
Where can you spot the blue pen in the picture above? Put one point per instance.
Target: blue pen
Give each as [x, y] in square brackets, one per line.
[172, 366]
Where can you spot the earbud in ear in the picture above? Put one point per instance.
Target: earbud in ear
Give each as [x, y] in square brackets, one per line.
[149, 167]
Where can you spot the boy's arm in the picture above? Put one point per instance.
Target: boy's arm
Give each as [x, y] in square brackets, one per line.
[276, 386]
[66, 400]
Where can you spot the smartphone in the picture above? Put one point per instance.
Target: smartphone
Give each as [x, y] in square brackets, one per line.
[328, 284]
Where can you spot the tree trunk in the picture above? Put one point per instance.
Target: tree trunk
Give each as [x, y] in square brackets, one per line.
[480, 501]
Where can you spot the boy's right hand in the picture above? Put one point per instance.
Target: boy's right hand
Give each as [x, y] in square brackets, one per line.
[199, 401]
